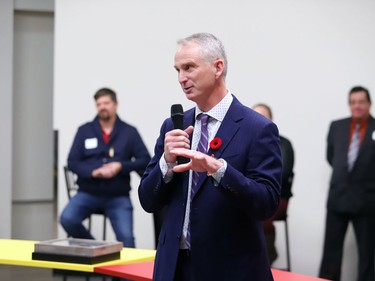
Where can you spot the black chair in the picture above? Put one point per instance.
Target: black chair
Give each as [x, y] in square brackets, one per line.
[72, 188]
[284, 219]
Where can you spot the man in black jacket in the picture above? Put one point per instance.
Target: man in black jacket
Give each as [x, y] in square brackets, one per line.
[351, 198]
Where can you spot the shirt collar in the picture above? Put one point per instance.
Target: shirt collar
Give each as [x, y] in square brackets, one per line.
[363, 123]
[218, 111]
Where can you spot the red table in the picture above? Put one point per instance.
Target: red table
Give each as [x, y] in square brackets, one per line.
[143, 272]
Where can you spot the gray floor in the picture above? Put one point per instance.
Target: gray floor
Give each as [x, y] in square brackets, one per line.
[35, 221]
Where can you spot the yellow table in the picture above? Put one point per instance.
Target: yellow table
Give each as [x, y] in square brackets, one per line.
[18, 252]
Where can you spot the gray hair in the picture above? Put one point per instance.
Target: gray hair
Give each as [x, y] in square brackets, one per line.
[211, 47]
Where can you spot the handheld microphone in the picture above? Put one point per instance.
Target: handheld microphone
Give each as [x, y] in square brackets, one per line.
[177, 116]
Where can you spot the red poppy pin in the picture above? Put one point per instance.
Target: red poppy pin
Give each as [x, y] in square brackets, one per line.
[216, 143]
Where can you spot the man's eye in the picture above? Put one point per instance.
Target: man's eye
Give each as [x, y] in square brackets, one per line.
[187, 67]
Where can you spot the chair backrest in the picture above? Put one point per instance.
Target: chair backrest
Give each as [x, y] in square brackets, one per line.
[282, 212]
[288, 185]
[71, 182]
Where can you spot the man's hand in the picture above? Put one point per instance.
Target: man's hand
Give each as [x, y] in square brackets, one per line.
[176, 139]
[107, 171]
[200, 162]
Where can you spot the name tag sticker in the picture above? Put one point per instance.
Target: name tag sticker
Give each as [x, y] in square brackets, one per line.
[91, 143]
[373, 135]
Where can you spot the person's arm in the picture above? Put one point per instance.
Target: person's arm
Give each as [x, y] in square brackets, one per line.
[329, 154]
[140, 155]
[287, 154]
[76, 157]
[257, 187]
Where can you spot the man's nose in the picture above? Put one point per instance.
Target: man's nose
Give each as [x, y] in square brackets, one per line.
[101, 107]
[182, 77]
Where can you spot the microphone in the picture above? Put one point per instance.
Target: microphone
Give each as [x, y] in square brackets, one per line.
[177, 115]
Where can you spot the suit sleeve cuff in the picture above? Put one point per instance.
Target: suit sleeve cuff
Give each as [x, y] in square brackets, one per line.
[218, 175]
[166, 169]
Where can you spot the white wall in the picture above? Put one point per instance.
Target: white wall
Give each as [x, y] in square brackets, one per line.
[301, 57]
[6, 115]
[33, 103]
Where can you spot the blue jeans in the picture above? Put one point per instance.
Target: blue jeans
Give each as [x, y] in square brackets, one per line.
[118, 209]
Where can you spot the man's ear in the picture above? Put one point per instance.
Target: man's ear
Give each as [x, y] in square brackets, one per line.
[219, 65]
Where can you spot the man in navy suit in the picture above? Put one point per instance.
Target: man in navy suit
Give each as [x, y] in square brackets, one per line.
[351, 195]
[215, 203]
[103, 154]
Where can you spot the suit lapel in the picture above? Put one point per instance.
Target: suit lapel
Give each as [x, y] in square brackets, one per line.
[189, 118]
[368, 138]
[99, 134]
[228, 128]
[226, 132]
[345, 134]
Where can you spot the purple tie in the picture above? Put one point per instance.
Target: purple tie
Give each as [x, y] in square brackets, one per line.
[202, 147]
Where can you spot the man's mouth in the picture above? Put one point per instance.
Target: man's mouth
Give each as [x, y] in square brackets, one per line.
[187, 89]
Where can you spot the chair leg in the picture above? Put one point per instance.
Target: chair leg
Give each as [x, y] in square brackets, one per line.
[287, 246]
[104, 237]
[104, 227]
[89, 224]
